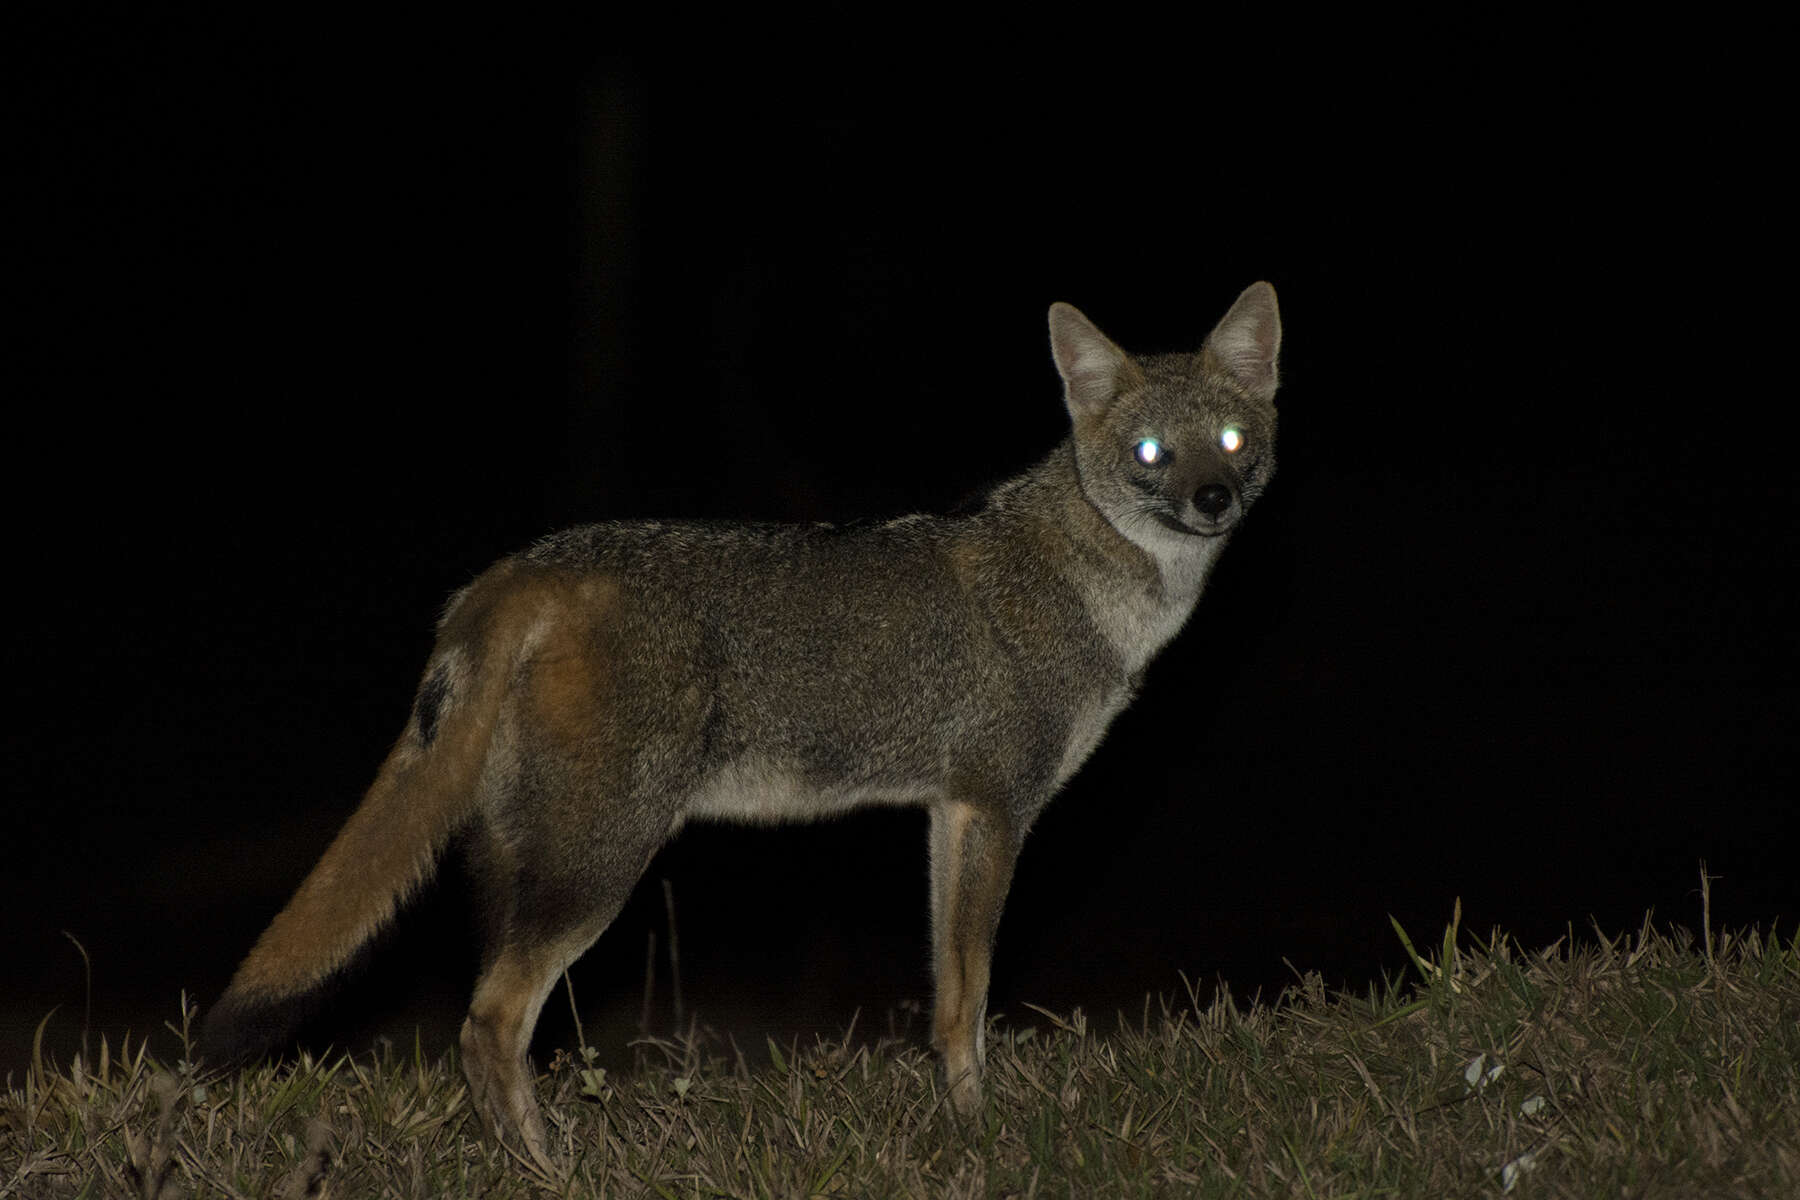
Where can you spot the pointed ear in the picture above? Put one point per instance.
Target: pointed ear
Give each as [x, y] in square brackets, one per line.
[1246, 342]
[1093, 370]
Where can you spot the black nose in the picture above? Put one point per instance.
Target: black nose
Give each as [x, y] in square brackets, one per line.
[1213, 499]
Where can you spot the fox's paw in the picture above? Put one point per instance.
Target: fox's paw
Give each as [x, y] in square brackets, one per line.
[965, 1089]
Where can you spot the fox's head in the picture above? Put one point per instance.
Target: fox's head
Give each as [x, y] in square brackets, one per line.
[1173, 448]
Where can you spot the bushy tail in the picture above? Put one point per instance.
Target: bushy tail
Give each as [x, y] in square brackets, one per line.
[424, 792]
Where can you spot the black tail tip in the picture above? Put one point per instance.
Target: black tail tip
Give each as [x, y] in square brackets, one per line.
[240, 1029]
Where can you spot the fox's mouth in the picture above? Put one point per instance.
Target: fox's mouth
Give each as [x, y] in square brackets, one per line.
[1181, 527]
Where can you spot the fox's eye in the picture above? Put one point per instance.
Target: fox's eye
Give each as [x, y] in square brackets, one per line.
[1231, 439]
[1150, 452]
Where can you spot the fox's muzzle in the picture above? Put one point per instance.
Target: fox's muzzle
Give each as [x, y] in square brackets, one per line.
[1214, 502]
[1211, 487]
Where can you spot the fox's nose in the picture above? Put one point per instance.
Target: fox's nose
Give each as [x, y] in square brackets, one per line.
[1213, 499]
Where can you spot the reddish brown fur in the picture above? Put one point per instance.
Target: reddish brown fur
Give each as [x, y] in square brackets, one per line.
[570, 688]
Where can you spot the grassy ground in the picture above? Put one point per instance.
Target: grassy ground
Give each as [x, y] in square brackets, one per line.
[1651, 1065]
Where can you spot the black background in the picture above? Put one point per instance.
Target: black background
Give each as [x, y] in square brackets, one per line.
[319, 322]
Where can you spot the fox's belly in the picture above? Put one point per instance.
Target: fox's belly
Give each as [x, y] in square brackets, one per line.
[759, 791]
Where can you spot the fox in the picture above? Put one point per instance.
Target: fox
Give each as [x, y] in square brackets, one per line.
[589, 696]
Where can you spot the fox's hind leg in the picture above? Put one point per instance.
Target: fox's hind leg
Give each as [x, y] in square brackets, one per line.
[972, 855]
[580, 788]
[495, 1037]
[548, 894]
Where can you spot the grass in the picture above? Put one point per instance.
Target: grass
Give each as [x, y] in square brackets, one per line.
[1653, 1064]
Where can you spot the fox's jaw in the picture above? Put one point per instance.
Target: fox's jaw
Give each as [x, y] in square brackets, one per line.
[1183, 554]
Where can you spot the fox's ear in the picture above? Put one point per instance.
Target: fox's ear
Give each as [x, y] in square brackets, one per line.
[1093, 370]
[1247, 341]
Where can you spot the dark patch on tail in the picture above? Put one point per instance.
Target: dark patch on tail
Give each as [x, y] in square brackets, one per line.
[430, 704]
[239, 1030]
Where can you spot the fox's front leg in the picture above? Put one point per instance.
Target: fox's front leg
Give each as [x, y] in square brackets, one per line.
[972, 856]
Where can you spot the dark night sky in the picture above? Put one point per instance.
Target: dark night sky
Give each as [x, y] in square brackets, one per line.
[320, 325]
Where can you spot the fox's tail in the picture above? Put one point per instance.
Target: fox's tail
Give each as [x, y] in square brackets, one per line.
[425, 791]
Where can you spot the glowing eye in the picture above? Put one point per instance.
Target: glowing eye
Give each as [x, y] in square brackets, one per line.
[1232, 439]
[1149, 452]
